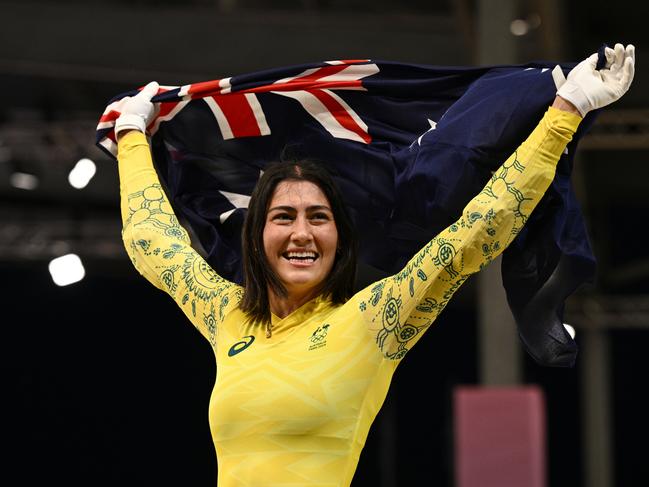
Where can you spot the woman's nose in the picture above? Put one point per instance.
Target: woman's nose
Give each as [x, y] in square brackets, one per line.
[301, 231]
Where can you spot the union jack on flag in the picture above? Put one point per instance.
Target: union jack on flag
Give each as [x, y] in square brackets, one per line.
[408, 145]
[240, 114]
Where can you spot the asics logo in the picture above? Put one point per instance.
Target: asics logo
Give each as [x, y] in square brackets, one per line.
[241, 346]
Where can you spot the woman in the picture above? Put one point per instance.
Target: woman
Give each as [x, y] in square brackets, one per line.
[304, 366]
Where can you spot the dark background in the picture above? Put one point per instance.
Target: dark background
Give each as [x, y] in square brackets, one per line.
[106, 384]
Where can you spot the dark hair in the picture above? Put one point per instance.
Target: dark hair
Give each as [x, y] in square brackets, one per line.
[258, 274]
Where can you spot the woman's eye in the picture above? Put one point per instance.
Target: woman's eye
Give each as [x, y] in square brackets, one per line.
[282, 217]
[320, 216]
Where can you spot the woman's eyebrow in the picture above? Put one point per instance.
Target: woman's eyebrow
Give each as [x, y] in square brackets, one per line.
[281, 208]
[318, 207]
[290, 208]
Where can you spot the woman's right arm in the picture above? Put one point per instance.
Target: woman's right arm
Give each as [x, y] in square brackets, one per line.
[159, 246]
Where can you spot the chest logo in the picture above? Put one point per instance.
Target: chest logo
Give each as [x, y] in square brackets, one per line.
[241, 346]
[319, 337]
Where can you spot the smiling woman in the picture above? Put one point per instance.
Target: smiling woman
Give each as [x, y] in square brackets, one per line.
[300, 241]
[303, 365]
[296, 215]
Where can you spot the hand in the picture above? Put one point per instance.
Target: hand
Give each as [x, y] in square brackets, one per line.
[137, 111]
[565, 105]
[588, 88]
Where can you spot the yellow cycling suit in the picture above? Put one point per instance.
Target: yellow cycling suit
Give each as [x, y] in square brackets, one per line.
[294, 408]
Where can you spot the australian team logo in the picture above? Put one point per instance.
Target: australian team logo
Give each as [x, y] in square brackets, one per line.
[319, 337]
[241, 346]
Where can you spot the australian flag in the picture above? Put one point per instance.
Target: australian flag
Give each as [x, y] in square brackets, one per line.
[409, 146]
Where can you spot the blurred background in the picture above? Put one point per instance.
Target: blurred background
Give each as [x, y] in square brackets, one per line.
[105, 382]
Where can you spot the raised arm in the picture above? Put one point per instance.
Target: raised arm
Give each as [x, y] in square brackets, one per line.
[400, 308]
[157, 244]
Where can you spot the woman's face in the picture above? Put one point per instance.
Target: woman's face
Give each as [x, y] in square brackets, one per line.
[300, 236]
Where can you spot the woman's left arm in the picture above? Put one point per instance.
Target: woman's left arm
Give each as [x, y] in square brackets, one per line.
[399, 308]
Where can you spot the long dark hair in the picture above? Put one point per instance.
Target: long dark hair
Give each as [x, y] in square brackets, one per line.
[258, 274]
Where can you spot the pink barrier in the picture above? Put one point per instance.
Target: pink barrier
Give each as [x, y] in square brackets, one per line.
[500, 437]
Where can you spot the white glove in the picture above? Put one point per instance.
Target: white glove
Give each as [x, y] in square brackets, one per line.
[137, 111]
[588, 88]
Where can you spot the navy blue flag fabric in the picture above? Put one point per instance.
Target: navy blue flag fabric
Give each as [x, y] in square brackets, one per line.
[408, 145]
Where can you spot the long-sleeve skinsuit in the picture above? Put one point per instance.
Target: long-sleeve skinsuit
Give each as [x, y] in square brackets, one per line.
[294, 409]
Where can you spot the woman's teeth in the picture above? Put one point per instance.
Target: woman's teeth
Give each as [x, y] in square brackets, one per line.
[301, 255]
